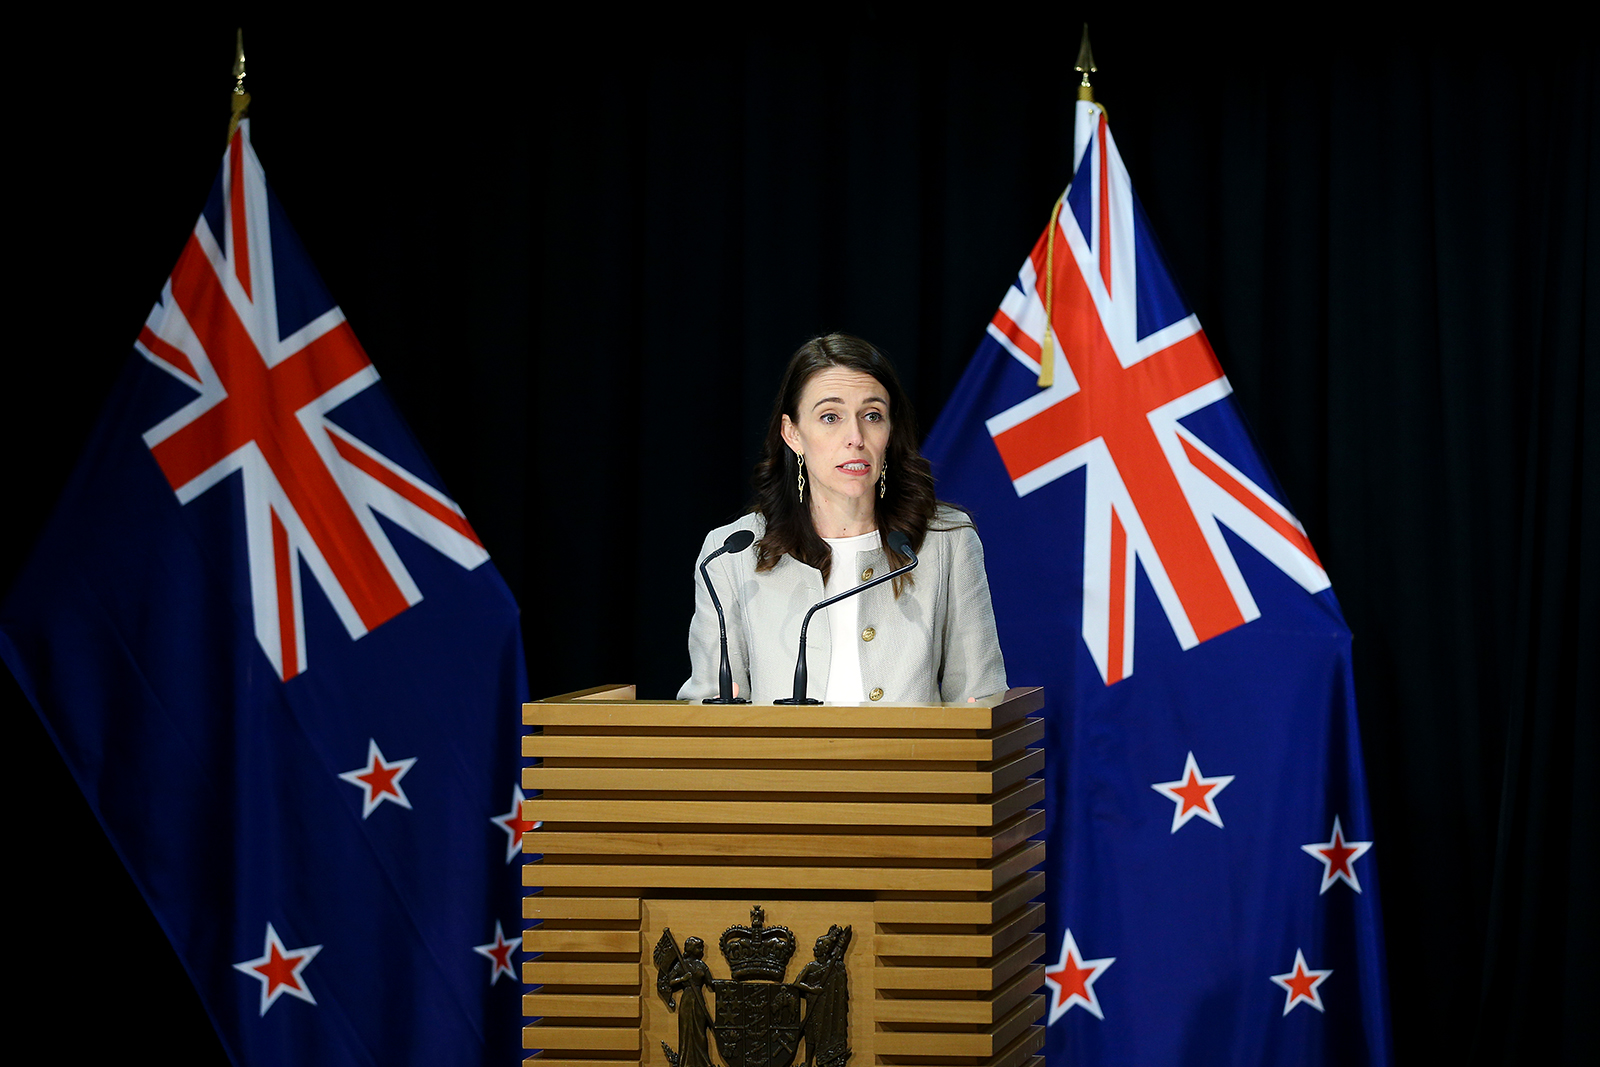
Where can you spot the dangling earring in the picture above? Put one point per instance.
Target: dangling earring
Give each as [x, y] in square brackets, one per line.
[883, 479]
[800, 480]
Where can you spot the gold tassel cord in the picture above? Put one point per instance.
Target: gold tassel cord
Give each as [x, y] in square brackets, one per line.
[1047, 348]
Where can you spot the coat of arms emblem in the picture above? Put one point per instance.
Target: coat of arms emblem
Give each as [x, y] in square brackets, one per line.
[760, 1019]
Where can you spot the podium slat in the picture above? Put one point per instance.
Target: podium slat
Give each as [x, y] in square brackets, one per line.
[854, 879]
[621, 1038]
[756, 779]
[987, 942]
[980, 912]
[599, 709]
[568, 1005]
[579, 972]
[544, 906]
[952, 846]
[955, 1043]
[740, 747]
[939, 1010]
[981, 978]
[787, 813]
[538, 939]
[1020, 1053]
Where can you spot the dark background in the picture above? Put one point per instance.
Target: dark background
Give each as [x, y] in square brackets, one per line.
[580, 253]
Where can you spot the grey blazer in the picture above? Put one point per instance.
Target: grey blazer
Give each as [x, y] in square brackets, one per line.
[936, 642]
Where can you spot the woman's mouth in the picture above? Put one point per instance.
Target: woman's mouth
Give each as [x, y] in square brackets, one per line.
[856, 467]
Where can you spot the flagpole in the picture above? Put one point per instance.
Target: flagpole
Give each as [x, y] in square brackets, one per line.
[239, 100]
[1047, 348]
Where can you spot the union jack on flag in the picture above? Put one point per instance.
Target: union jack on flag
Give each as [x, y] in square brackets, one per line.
[284, 671]
[312, 490]
[1207, 899]
[1129, 367]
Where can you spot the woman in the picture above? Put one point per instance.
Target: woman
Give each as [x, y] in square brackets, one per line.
[840, 471]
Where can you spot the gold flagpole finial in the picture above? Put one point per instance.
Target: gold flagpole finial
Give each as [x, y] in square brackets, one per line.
[241, 99]
[1085, 66]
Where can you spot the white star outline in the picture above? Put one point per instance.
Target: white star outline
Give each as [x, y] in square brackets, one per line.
[1311, 996]
[503, 822]
[1331, 874]
[1060, 1005]
[298, 989]
[488, 952]
[1206, 809]
[372, 797]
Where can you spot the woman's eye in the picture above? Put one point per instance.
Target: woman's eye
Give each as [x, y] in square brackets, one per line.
[874, 416]
[830, 417]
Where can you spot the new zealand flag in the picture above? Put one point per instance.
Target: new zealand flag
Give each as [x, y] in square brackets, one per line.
[1212, 889]
[279, 663]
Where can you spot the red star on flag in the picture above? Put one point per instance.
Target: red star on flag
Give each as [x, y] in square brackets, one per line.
[1338, 858]
[1072, 980]
[1301, 984]
[379, 779]
[1194, 794]
[499, 953]
[278, 970]
[514, 824]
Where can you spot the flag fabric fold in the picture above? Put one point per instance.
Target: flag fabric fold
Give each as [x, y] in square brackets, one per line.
[280, 665]
[1212, 876]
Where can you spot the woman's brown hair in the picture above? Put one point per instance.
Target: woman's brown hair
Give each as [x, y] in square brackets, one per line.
[908, 505]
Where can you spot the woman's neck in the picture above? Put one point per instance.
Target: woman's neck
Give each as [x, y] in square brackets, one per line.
[847, 518]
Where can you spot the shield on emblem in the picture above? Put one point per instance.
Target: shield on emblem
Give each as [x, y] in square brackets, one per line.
[758, 1023]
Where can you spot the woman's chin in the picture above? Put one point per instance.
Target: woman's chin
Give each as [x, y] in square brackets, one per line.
[852, 491]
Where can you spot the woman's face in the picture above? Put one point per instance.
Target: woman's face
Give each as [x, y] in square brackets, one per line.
[842, 430]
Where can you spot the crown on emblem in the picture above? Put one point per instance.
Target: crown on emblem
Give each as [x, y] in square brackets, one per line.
[757, 951]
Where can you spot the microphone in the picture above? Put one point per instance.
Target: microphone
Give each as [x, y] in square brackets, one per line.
[901, 544]
[737, 542]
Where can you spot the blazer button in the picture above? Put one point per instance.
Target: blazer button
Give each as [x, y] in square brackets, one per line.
[868, 634]
[866, 575]
[876, 694]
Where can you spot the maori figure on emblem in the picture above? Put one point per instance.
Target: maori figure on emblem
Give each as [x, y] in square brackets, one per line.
[758, 1015]
[826, 986]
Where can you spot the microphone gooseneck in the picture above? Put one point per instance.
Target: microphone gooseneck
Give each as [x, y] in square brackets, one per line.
[897, 541]
[737, 542]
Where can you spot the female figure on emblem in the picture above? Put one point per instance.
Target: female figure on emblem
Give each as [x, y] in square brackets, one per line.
[691, 975]
[841, 470]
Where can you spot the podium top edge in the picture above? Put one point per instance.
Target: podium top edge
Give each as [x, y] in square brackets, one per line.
[600, 706]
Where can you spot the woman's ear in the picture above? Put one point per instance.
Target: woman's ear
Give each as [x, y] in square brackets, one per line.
[791, 436]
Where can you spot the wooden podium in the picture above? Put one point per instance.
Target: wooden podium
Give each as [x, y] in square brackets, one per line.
[914, 825]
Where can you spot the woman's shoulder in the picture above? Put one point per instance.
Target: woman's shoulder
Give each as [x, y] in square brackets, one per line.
[947, 517]
[952, 534]
[753, 521]
[952, 524]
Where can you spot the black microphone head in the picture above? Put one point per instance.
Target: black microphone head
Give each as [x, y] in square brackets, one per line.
[738, 541]
[900, 543]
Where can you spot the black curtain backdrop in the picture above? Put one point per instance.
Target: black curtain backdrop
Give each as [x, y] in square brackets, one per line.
[581, 253]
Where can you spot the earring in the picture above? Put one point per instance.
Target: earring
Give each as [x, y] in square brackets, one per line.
[800, 480]
[883, 479]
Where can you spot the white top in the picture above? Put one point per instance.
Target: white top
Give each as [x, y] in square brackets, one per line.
[844, 669]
